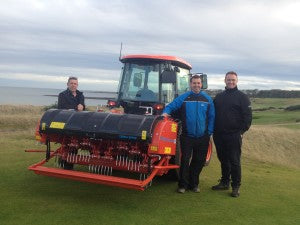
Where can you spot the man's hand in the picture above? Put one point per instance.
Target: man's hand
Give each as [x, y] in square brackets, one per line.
[80, 107]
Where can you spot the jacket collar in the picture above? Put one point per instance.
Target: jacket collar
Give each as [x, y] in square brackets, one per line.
[231, 89]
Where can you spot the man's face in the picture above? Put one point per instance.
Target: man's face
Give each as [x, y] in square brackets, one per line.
[196, 85]
[72, 85]
[231, 81]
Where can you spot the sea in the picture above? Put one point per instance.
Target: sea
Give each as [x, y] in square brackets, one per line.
[47, 96]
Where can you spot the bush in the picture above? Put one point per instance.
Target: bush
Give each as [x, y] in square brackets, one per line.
[52, 106]
[293, 108]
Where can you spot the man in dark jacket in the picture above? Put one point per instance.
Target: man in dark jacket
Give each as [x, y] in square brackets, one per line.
[71, 98]
[233, 119]
[197, 113]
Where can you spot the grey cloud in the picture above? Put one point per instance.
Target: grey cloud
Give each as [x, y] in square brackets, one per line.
[252, 37]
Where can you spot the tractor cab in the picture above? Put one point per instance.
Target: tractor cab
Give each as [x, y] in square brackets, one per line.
[149, 82]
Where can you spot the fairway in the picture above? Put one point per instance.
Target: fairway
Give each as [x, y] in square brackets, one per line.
[269, 191]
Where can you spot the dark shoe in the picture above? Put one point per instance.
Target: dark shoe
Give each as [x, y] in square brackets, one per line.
[235, 192]
[181, 190]
[221, 186]
[195, 189]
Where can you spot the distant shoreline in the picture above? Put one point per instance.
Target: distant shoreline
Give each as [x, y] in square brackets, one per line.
[100, 98]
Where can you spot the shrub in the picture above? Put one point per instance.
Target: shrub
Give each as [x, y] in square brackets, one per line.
[293, 108]
[52, 106]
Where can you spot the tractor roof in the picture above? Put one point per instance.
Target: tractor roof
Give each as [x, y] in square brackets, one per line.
[175, 60]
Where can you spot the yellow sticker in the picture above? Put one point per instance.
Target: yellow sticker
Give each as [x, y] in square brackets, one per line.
[37, 137]
[167, 150]
[43, 126]
[144, 134]
[57, 125]
[174, 127]
[153, 148]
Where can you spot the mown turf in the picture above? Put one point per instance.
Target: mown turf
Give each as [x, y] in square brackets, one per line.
[269, 192]
[269, 195]
[259, 103]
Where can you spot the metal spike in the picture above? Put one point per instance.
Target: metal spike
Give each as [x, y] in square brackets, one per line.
[101, 169]
[150, 184]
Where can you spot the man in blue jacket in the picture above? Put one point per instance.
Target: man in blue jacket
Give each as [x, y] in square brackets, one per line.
[197, 113]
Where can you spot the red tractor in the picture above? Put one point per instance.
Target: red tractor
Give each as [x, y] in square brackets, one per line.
[121, 149]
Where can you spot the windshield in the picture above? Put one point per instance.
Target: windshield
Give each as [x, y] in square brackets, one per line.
[140, 82]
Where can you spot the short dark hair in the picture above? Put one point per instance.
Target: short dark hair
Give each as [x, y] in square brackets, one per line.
[231, 72]
[195, 76]
[72, 78]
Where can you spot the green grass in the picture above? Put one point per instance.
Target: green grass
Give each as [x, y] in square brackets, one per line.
[276, 116]
[269, 192]
[269, 195]
[258, 103]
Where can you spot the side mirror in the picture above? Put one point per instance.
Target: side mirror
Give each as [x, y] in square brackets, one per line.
[168, 76]
[203, 78]
[137, 79]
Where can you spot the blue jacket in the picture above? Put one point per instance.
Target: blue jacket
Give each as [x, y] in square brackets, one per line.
[197, 113]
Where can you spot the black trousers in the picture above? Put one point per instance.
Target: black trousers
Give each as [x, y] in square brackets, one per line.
[193, 155]
[229, 154]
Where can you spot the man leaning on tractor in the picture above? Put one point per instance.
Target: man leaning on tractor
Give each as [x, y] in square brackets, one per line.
[197, 113]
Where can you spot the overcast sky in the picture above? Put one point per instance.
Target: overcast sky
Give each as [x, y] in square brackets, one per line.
[43, 42]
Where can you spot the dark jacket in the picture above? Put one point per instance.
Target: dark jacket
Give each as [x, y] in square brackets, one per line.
[66, 100]
[233, 112]
[197, 113]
